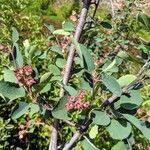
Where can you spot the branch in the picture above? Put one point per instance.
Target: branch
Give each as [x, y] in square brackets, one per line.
[128, 87]
[84, 11]
[112, 8]
[106, 103]
[53, 142]
[72, 141]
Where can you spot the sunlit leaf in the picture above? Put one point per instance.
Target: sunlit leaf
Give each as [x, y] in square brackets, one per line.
[93, 132]
[132, 101]
[22, 109]
[56, 49]
[60, 62]
[119, 129]
[59, 112]
[68, 26]
[101, 118]
[89, 63]
[61, 32]
[9, 76]
[136, 122]
[15, 35]
[45, 77]
[88, 145]
[112, 84]
[70, 90]
[119, 146]
[11, 91]
[126, 79]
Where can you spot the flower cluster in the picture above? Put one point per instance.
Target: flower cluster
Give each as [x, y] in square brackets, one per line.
[74, 16]
[5, 48]
[98, 61]
[77, 102]
[24, 75]
[65, 42]
[63, 70]
[23, 130]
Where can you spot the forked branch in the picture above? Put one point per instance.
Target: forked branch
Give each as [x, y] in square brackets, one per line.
[83, 14]
[79, 133]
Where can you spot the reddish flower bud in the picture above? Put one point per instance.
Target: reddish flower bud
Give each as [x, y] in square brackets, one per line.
[29, 81]
[76, 102]
[27, 70]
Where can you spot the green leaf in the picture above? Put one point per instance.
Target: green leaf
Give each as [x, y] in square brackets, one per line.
[148, 73]
[26, 44]
[56, 78]
[60, 62]
[32, 51]
[119, 129]
[59, 112]
[56, 49]
[54, 69]
[10, 91]
[144, 19]
[50, 27]
[61, 32]
[84, 55]
[112, 84]
[131, 140]
[43, 55]
[9, 76]
[78, 48]
[79, 61]
[89, 63]
[15, 35]
[46, 88]
[34, 108]
[110, 66]
[21, 110]
[45, 77]
[84, 85]
[119, 146]
[106, 25]
[87, 145]
[126, 79]
[101, 118]
[136, 122]
[19, 57]
[68, 26]
[70, 90]
[93, 132]
[129, 102]
[123, 55]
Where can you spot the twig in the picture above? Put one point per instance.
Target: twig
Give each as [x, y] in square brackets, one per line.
[53, 142]
[69, 123]
[112, 9]
[72, 141]
[84, 11]
[96, 6]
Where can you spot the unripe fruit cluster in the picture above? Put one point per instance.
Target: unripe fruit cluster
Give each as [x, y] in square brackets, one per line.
[24, 75]
[77, 102]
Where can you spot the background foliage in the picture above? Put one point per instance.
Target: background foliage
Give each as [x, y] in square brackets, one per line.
[112, 51]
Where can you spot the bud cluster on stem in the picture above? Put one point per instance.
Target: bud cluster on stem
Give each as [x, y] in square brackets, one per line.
[77, 102]
[24, 75]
